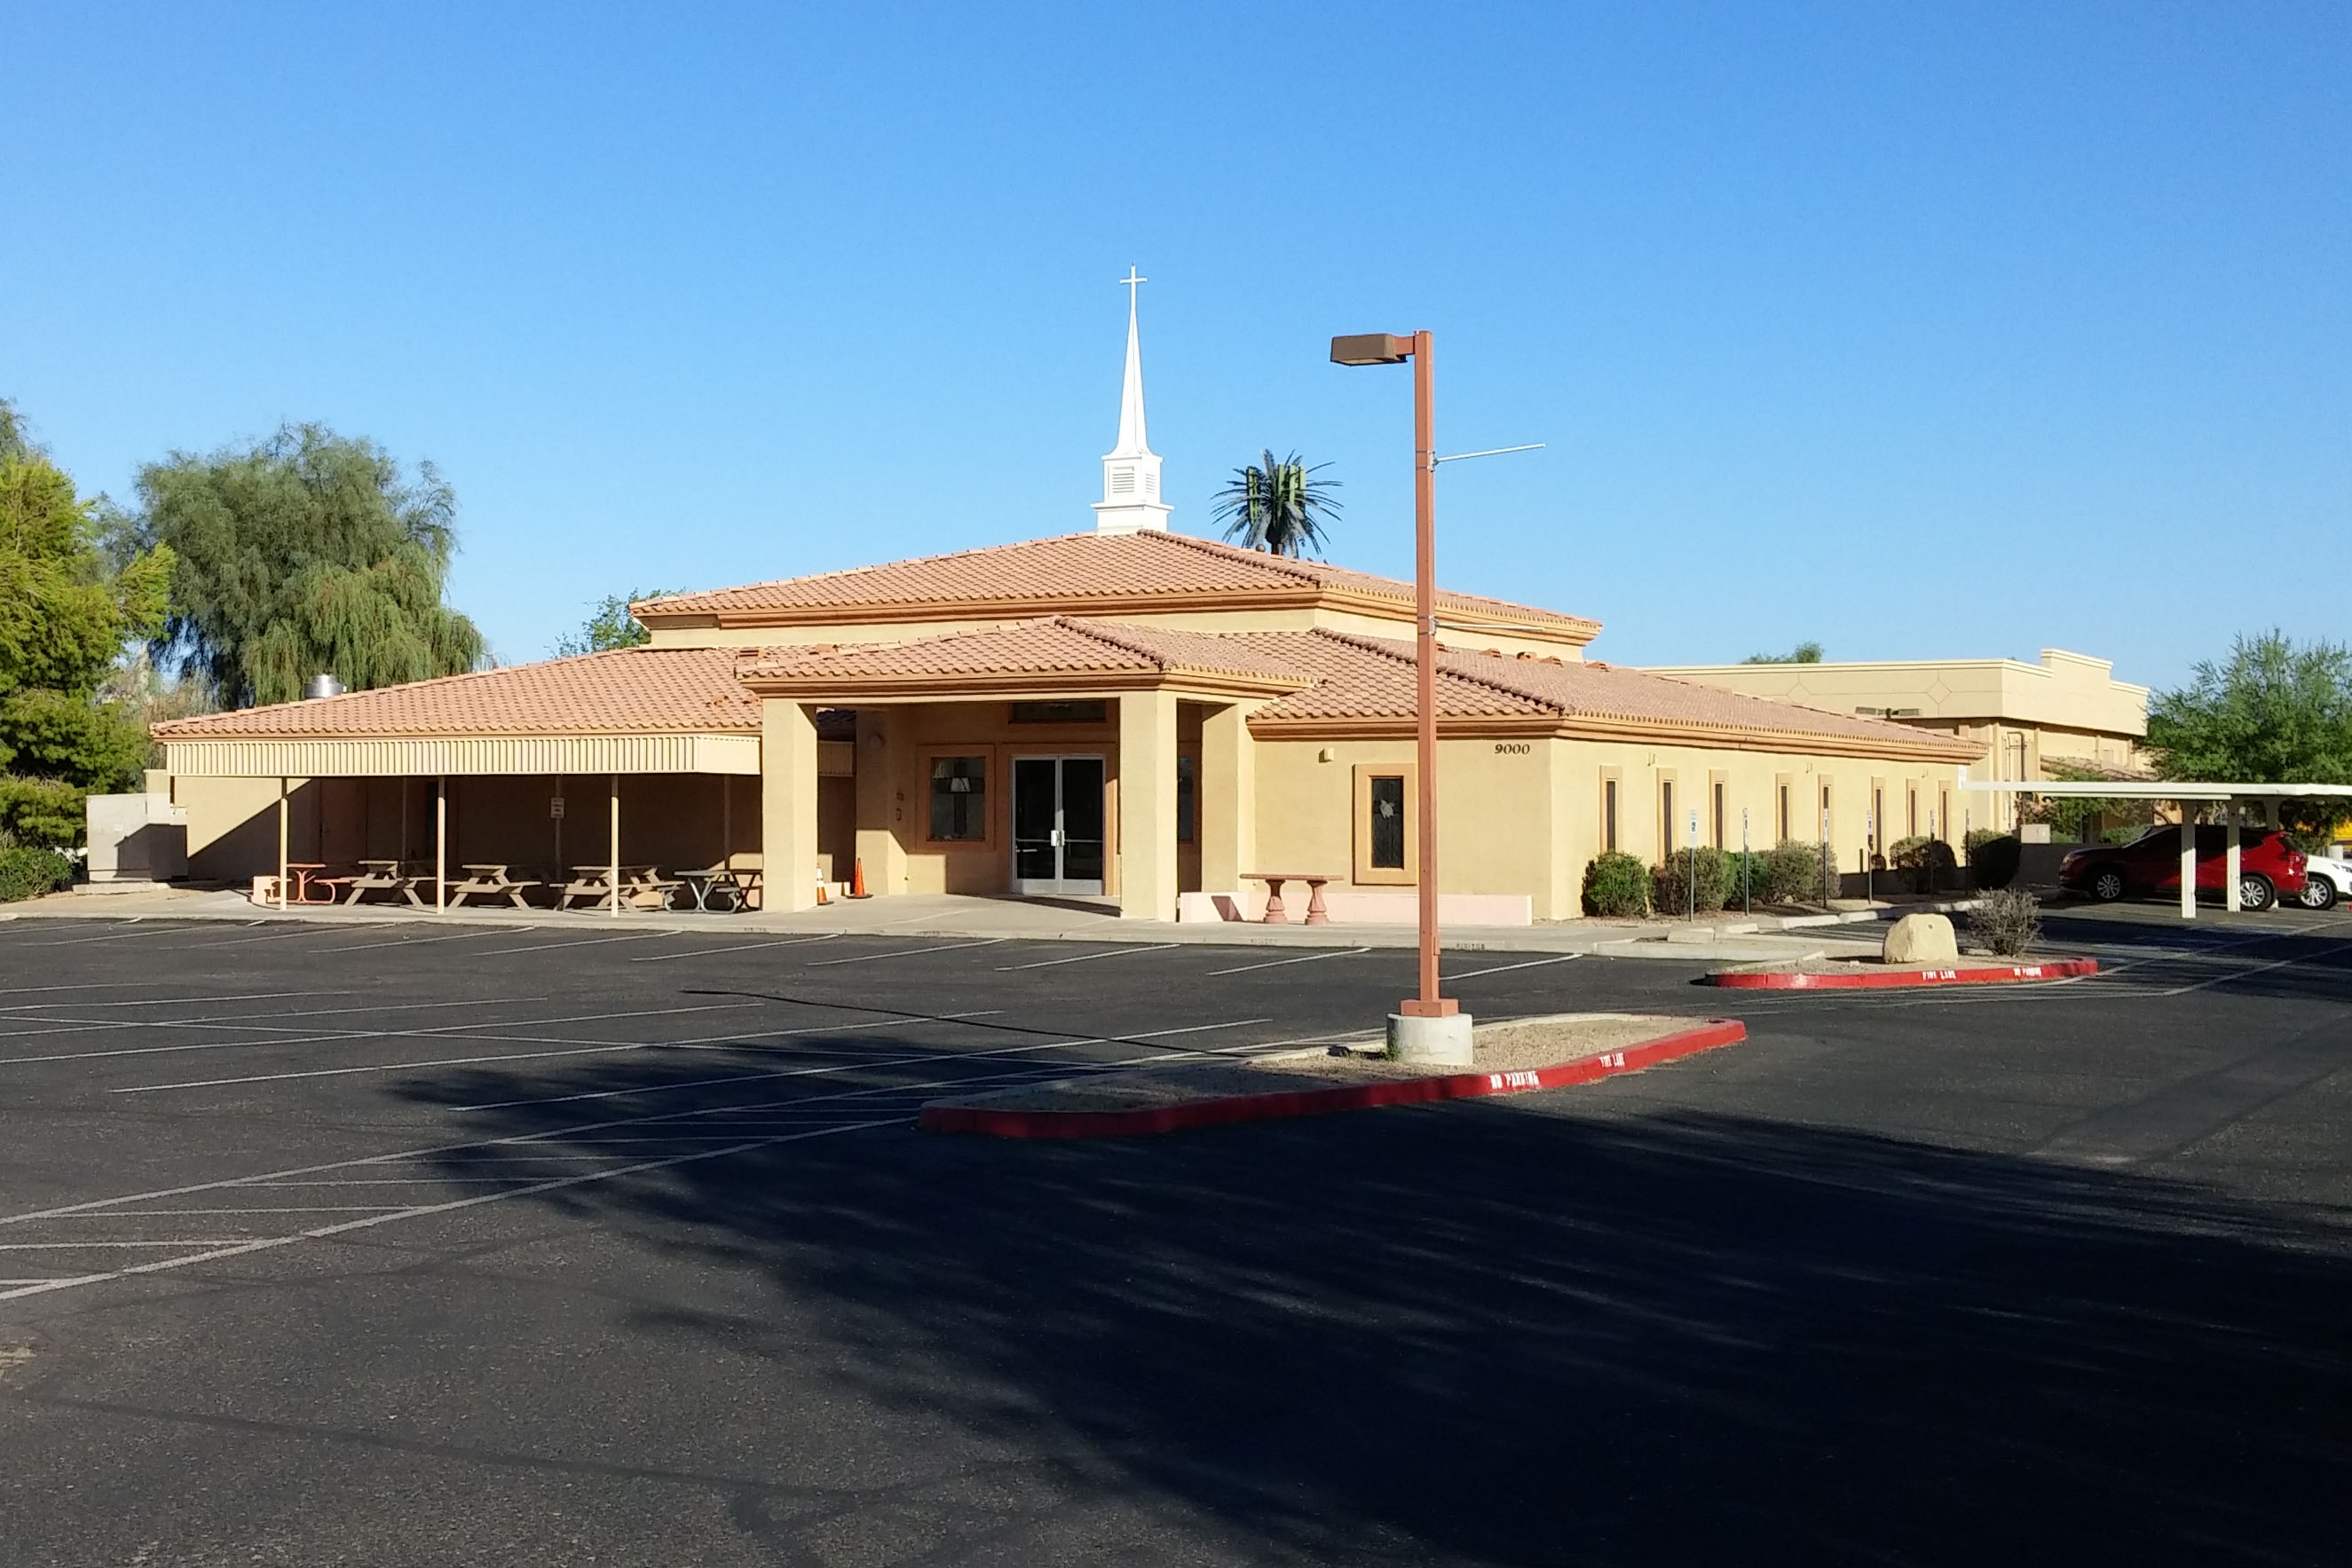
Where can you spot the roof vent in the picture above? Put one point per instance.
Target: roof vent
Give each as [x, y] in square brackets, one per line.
[324, 686]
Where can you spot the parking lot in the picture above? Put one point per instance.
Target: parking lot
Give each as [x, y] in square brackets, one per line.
[422, 1243]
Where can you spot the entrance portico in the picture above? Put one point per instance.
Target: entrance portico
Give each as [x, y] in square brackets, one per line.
[1052, 757]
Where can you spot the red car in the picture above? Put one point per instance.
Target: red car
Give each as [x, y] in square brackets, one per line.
[2267, 866]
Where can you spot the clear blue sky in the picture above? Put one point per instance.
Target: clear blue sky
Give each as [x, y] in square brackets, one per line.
[1921, 331]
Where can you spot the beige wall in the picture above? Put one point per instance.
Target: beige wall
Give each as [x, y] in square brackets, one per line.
[1525, 817]
[2067, 706]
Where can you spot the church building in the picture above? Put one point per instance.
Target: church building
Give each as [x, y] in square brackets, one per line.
[1129, 712]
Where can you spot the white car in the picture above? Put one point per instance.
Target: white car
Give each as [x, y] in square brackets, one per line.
[2327, 882]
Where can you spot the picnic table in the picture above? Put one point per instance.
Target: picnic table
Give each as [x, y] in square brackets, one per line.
[305, 877]
[402, 877]
[717, 881]
[1317, 915]
[491, 878]
[641, 887]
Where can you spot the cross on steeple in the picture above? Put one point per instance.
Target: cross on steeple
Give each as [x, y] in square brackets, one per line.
[1128, 282]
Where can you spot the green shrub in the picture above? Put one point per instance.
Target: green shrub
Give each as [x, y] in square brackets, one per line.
[1616, 884]
[47, 812]
[27, 872]
[1993, 858]
[1691, 879]
[1796, 872]
[1747, 878]
[2006, 921]
[1924, 858]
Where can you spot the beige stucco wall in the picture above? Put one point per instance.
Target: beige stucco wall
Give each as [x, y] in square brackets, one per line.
[1525, 817]
[2067, 706]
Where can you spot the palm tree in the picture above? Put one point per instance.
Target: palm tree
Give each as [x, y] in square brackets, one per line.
[1279, 505]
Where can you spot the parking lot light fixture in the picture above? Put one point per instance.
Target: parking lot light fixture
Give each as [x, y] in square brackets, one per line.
[1390, 349]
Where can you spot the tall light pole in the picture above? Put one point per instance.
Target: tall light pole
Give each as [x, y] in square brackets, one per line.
[1416, 1031]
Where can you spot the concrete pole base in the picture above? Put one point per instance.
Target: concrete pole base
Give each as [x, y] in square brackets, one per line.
[1441, 1042]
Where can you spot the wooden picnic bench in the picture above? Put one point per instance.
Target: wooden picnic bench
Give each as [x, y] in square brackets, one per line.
[491, 878]
[400, 877]
[642, 887]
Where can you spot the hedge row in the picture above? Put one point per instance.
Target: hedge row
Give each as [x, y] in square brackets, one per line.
[27, 872]
[1619, 884]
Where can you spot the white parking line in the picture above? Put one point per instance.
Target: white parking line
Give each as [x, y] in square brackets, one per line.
[1506, 969]
[314, 1176]
[319, 1233]
[1087, 957]
[704, 1042]
[451, 937]
[586, 942]
[1278, 963]
[906, 952]
[80, 1245]
[165, 1001]
[744, 948]
[319, 1209]
[839, 1067]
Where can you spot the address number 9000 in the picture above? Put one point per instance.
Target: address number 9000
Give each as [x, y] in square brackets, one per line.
[1513, 748]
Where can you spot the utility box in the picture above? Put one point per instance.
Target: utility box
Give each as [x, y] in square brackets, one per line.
[137, 838]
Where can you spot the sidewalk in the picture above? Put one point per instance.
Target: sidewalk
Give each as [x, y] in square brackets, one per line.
[1725, 936]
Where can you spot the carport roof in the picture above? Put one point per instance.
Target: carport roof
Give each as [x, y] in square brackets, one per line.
[626, 691]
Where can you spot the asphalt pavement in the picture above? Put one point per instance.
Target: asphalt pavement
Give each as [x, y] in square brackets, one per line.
[394, 1245]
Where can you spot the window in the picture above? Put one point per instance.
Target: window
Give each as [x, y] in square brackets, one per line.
[1609, 813]
[1782, 836]
[1665, 818]
[1825, 811]
[1911, 810]
[958, 798]
[1877, 816]
[1080, 712]
[1188, 798]
[1386, 846]
[1721, 810]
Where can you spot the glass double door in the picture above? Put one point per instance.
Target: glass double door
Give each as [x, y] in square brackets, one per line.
[1057, 825]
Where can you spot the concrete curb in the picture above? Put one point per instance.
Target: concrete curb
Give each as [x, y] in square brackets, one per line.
[1235, 1108]
[1905, 979]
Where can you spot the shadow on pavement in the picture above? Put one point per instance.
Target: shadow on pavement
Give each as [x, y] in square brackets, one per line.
[1504, 1334]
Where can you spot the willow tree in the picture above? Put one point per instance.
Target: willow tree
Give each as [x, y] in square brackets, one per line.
[1277, 504]
[309, 554]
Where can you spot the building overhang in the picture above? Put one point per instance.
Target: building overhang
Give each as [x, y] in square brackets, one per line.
[1553, 727]
[835, 690]
[407, 756]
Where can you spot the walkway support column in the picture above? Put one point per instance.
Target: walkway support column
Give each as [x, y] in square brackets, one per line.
[1228, 799]
[282, 871]
[440, 843]
[613, 843]
[2230, 896]
[2188, 860]
[1146, 806]
[883, 820]
[787, 805]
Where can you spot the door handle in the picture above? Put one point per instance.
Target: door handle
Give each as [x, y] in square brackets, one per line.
[1057, 838]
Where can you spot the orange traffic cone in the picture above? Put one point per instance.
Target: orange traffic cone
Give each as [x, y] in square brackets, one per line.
[822, 895]
[857, 880]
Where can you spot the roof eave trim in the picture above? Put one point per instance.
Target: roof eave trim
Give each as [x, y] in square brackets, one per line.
[1474, 726]
[847, 688]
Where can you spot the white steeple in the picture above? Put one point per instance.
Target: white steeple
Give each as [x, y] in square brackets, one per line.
[1131, 500]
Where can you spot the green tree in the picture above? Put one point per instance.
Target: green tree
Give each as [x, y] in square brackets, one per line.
[2275, 712]
[610, 624]
[1802, 654]
[309, 554]
[1277, 504]
[66, 612]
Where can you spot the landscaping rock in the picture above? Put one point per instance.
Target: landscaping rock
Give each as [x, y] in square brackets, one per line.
[1921, 939]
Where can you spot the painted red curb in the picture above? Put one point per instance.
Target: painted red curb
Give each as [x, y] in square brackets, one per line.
[1318, 1101]
[2004, 974]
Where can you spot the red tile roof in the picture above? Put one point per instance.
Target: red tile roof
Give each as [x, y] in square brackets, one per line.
[1052, 646]
[1317, 679]
[629, 691]
[1078, 572]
